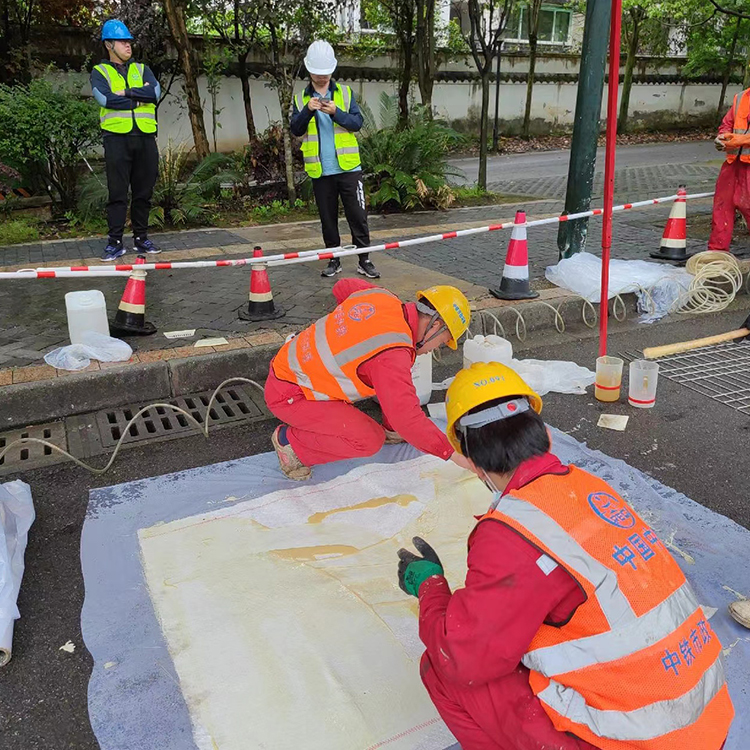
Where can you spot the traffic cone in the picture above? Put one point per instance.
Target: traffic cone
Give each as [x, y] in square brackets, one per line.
[260, 305]
[515, 281]
[674, 241]
[130, 319]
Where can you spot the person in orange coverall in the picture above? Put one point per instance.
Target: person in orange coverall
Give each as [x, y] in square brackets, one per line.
[576, 628]
[365, 347]
[733, 184]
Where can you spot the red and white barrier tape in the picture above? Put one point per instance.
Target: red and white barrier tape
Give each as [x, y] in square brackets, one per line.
[305, 256]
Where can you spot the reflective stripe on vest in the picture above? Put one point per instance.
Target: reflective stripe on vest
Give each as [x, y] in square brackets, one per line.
[326, 373]
[741, 109]
[122, 121]
[345, 142]
[637, 666]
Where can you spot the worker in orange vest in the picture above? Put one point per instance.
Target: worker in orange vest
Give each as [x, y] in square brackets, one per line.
[576, 629]
[365, 347]
[733, 184]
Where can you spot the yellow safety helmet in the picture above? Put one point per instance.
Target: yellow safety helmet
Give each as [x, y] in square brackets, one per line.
[479, 384]
[452, 306]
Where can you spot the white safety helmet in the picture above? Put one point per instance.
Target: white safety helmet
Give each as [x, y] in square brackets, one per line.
[320, 59]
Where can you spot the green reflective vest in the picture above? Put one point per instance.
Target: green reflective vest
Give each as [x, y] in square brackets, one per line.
[123, 120]
[347, 148]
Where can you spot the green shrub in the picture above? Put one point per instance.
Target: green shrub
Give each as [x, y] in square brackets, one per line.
[16, 231]
[43, 130]
[183, 190]
[407, 168]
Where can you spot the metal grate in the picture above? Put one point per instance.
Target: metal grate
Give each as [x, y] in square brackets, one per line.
[720, 372]
[32, 455]
[232, 404]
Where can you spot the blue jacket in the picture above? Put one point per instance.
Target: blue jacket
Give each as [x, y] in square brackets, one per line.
[106, 98]
[351, 120]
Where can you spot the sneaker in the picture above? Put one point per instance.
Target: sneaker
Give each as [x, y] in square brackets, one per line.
[114, 250]
[333, 267]
[288, 461]
[740, 611]
[366, 268]
[145, 245]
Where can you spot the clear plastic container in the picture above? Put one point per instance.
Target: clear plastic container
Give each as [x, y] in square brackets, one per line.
[608, 378]
[642, 383]
[487, 349]
[421, 374]
[87, 311]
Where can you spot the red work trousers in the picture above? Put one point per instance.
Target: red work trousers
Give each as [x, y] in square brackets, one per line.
[732, 191]
[322, 431]
[499, 715]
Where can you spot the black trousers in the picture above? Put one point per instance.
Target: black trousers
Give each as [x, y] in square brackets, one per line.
[132, 163]
[350, 188]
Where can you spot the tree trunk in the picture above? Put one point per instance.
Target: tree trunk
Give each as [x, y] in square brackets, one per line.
[496, 124]
[636, 15]
[285, 92]
[403, 87]
[728, 72]
[484, 127]
[177, 27]
[426, 51]
[529, 86]
[245, 81]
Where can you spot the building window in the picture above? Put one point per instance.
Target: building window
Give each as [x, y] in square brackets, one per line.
[554, 25]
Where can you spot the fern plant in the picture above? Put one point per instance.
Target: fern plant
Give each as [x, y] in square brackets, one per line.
[407, 168]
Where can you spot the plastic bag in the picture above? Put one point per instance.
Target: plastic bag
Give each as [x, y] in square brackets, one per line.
[582, 274]
[16, 517]
[545, 376]
[95, 346]
[558, 376]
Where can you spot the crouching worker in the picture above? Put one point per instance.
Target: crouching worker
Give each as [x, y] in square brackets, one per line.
[576, 628]
[365, 347]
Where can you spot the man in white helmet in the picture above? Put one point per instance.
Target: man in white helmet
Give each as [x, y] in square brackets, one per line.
[326, 117]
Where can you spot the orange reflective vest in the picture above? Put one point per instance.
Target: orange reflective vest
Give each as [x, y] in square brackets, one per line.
[637, 666]
[324, 358]
[741, 109]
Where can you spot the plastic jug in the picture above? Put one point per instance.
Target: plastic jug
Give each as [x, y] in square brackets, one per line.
[421, 374]
[487, 349]
[87, 311]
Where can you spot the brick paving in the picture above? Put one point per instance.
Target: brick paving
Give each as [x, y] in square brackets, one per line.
[33, 312]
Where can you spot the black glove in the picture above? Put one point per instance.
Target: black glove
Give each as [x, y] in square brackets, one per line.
[413, 570]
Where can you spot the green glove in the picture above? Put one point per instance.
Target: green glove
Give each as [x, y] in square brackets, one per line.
[414, 570]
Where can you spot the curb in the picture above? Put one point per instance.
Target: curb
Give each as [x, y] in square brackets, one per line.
[45, 400]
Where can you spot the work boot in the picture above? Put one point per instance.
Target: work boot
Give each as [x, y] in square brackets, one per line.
[114, 250]
[392, 437]
[740, 612]
[333, 267]
[366, 268]
[145, 245]
[288, 461]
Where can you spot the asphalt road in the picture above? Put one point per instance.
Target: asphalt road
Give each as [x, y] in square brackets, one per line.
[687, 441]
[555, 163]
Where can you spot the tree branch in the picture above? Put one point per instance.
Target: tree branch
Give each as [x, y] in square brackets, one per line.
[728, 11]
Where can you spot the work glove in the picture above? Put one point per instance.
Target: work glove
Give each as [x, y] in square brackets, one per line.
[736, 140]
[414, 570]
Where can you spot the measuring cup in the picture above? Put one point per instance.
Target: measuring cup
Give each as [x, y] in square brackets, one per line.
[608, 378]
[642, 385]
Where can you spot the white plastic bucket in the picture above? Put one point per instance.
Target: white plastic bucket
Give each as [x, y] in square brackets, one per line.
[487, 349]
[421, 374]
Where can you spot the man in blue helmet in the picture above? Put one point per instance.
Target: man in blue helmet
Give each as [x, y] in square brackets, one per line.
[127, 93]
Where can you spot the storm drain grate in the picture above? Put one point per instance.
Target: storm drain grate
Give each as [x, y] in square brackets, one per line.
[720, 372]
[32, 455]
[232, 404]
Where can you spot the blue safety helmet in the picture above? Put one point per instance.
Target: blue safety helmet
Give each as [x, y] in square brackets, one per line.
[115, 29]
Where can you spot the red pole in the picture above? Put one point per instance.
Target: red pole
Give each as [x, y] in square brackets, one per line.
[609, 166]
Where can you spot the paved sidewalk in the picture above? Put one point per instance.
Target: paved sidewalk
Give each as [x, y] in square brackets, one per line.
[33, 312]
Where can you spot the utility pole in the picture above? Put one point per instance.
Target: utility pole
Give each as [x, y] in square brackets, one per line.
[571, 236]
[496, 129]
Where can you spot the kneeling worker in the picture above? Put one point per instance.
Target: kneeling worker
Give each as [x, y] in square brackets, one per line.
[365, 347]
[576, 629]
